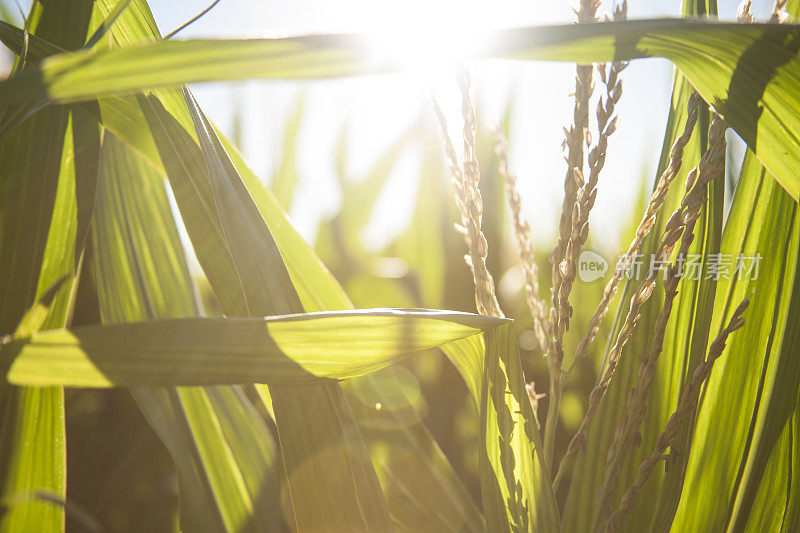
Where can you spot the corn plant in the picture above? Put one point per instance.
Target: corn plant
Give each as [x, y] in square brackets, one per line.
[689, 424]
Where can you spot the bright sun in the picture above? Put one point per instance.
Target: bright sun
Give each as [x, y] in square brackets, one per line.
[423, 40]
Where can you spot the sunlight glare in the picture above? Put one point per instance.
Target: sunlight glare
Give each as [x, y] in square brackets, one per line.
[425, 44]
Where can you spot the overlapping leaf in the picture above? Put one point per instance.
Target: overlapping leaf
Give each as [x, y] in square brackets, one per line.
[737, 464]
[228, 478]
[731, 448]
[287, 349]
[514, 483]
[315, 425]
[45, 203]
[412, 448]
[747, 72]
[754, 487]
[750, 79]
[318, 289]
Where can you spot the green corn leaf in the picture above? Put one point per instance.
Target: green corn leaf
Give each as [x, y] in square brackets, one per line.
[33, 475]
[107, 23]
[38, 48]
[289, 349]
[262, 275]
[318, 290]
[197, 202]
[43, 190]
[133, 25]
[516, 490]
[46, 195]
[25, 469]
[683, 347]
[315, 425]
[731, 449]
[746, 71]
[589, 470]
[224, 454]
[34, 318]
[768, 513]
[752, 488]
[414, 458]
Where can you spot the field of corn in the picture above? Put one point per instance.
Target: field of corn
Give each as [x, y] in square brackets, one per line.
[176, 356]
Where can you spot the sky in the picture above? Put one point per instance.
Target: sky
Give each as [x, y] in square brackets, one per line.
[376, 110]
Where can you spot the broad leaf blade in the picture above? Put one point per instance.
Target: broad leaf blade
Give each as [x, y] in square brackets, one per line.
[684, 346]
[46, 197]
[290, 349]
[515, 485]
[764, 495]
[334, 345]
[315, 425]
[687, 331]
[318, 290]
[227, 477]
[746, 71]
[730, 448]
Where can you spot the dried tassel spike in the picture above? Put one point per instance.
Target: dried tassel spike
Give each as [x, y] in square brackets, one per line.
[743, 13]
[584, 85]
[601, 70]
[639, 297]
[578, 176]
[685, 410]
[680, 226]
[779, 14]
[525, 249]
[648, 220]
[469, 202]
[576, 236]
